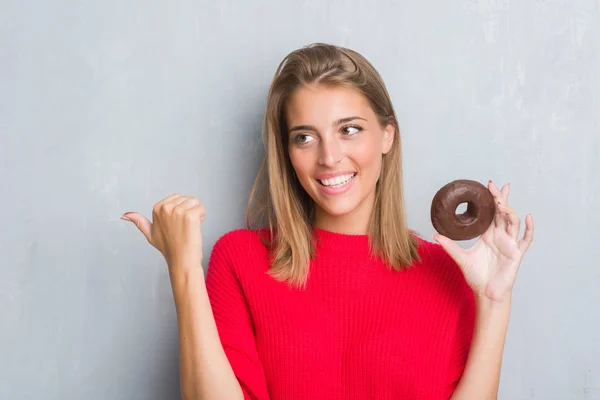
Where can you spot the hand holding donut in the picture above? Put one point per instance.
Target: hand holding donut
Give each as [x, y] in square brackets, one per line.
[490, 266]
[174, 230]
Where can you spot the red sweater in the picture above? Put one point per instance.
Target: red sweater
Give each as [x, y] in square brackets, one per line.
[358, 331]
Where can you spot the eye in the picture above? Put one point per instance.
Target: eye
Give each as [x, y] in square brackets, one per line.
[349, 132]
[302, 138]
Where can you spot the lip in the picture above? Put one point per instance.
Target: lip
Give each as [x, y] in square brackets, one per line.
[334, 174]
[331, 191]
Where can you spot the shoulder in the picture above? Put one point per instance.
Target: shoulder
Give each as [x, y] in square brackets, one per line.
[242, 239]
[239, 247]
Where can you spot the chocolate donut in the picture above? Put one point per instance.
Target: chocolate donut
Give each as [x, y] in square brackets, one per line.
[470, 224]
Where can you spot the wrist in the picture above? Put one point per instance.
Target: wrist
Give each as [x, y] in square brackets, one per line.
[184, 262]
[184, 273]
[492, 308]
[188, 286]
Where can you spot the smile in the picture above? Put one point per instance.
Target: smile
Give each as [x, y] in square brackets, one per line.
[337, 181]
[337, 185]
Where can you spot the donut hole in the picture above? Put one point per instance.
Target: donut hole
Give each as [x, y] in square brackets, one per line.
[461, 208]
[466, 212]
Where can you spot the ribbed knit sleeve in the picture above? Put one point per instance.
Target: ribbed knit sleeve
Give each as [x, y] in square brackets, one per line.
[463, 332]
[233, 318]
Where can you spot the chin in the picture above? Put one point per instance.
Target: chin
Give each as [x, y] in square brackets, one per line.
[338, 210]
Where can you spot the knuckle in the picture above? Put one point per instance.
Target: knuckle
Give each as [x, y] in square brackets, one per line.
[195, 213]
[190, 216]
[167, 208]
[179, 211]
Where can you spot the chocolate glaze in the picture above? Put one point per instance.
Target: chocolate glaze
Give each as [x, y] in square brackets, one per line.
[473, 222]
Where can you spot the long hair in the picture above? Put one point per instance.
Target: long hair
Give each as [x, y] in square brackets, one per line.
[278, 201]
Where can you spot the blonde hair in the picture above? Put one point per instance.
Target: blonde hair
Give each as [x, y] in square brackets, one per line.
[277, 199]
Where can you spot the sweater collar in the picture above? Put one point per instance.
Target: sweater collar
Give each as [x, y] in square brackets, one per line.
[341, 241]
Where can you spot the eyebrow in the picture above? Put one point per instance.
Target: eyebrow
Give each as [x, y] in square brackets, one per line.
[335, 123]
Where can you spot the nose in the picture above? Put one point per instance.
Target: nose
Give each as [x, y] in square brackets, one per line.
[330, 152]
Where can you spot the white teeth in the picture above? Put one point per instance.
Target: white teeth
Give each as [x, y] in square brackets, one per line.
[337, 181]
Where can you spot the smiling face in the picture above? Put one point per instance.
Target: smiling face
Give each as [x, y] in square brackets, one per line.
[336, 143]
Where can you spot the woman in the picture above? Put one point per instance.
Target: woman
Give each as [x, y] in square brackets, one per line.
[336, 298]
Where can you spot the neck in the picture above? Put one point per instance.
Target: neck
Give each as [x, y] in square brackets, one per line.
[355, 222]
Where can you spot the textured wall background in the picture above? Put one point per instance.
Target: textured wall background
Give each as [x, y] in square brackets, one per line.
[107, 107]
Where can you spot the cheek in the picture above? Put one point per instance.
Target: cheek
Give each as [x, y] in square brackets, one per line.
[367, 155]
[301, 163]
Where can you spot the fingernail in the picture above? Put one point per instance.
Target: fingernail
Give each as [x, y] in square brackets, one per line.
[125, 217]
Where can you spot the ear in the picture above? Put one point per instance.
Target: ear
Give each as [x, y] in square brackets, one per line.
[388, 138]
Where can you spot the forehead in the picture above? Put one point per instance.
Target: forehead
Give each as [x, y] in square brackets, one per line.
[314, 103]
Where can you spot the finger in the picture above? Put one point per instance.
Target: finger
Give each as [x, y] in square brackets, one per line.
[499, 217]
[141, 222]
[164, 201]
[180, 200]
[187, 203]
[170, 198]
[497, 193]
[200, 211]
[170, 203]
[528, 235]
[451, 247]
[499, 221]
[513, 223]
[505, 189]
